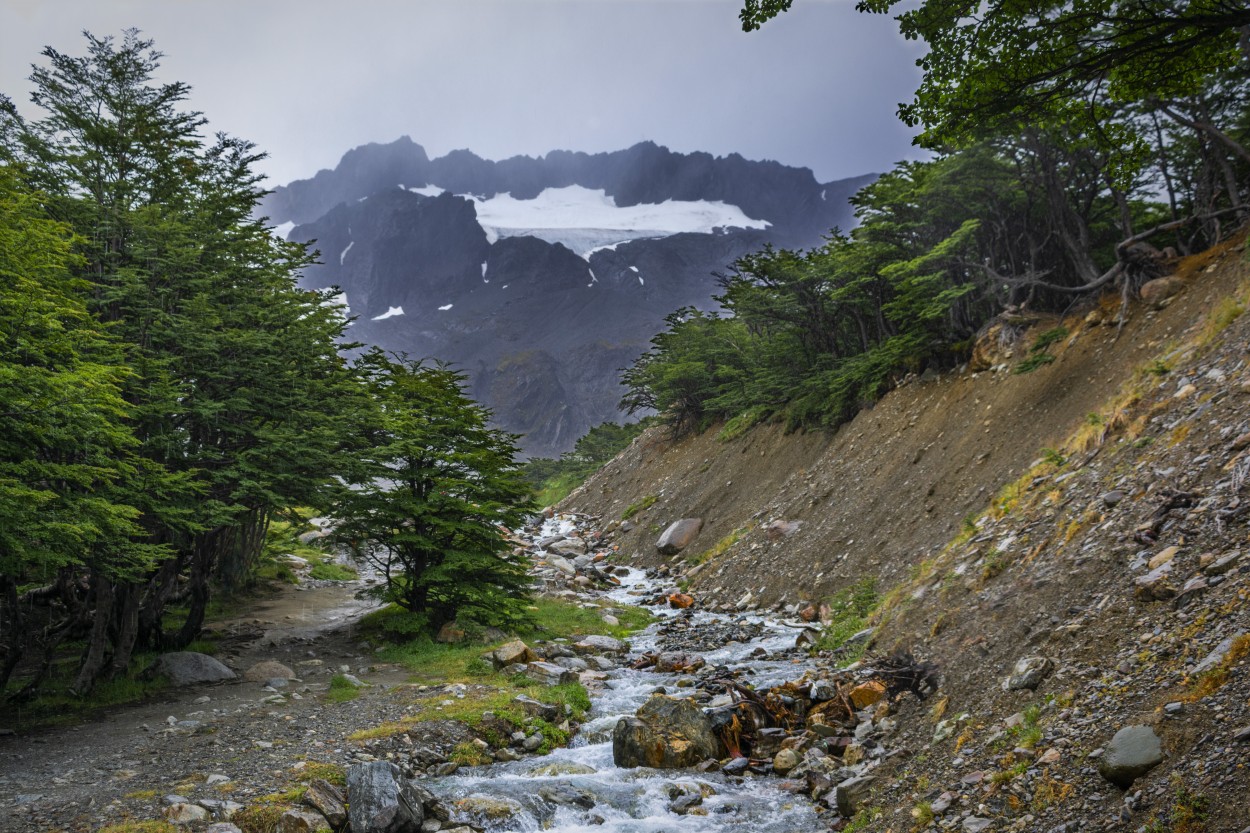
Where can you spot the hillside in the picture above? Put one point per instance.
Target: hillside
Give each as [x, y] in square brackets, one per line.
[1005, 516]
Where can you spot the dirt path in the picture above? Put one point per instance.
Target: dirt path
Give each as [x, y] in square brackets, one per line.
[82, 777]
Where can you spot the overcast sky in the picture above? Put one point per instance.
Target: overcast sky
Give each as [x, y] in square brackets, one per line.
[308, 79]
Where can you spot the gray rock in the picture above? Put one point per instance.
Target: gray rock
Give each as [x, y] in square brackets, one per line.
[1134, 751]
[568, 546]
[326, 799]
[512, 653]
[1217, 655]
[548, 673]
[601, 645]
[679, 535]
[302, 821]
[567, 795]
[537, 708]
[189, 668]
[666, 733]
[223, 827]
[262, 672]
[184, 813]
[379, 802]
[975, 824]
[1028, 674]
[851, 794]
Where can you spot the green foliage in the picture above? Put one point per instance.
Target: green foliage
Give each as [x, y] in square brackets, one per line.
[1051, 336]
[550, 618]
[434, 492]
[743, 422]
[554, 479]
[341, 690]
[849, 610]
[642, 505]
[1033, 362]
[329, 571]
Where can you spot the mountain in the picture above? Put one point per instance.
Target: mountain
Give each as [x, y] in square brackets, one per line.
[542, 277]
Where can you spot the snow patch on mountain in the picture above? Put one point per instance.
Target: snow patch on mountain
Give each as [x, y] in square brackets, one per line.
[445, 307]
[281, 230]
[390, 313]
[587, 220]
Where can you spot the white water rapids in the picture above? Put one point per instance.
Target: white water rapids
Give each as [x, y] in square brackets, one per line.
[638, 800]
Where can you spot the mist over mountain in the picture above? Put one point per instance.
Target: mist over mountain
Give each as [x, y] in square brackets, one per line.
[542, 277]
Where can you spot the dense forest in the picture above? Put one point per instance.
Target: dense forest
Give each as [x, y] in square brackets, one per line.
[1075, 149]
[167, 391]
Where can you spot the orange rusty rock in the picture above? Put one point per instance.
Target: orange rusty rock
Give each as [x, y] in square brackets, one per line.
[866, 694]
[809, 613]
[681, 601]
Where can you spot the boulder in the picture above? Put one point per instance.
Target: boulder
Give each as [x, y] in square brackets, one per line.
[223, 827]
[184, 813]
[379, 802]
[596, 644]
[679, 535]
[537, 708]
[679, 601]
[1154, 586]
[1028, 673]
[1158, 291]
[263, 672]
[515, 652]
[851, 794]
[189, 668]
[451, 633]
[567, 795]
[1134, 751]
[776, 530]
[562, 564]
[666, 733]
[548, 673]
[326, 799]
[568, 546]
[486, 811]
[302, 821]
[785, 760]
[867, 694]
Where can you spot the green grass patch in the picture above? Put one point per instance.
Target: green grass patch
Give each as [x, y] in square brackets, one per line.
[341, 690]
[332, 773]
[140, 827]
[1032, 363]
[554, 618]
[634, 508]
[56, 705]
[331, 571]
[850, 609]
[722, 546]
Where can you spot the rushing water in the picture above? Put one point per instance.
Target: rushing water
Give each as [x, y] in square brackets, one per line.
[580, 789]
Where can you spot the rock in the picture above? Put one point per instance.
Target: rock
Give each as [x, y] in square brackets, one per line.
[301, 821]
[189, 668]
[562, 564]
[562, 768]
[537, 708]
[1154, 586]
[1217, 654]
[451, 633]
[567, 795]
[851, 794]
[515, 652]
[1028, 674]
[184, 813]
[666, 733]
[1242, 735]
[679, 601]
[326, 799]
[1112, 498]
[1133, 752]
[601, 645]
[568, 546]
[679, 535]
[548, 673]
[776, 530]
[867, 694]
[785, 760]
[975, 824]
[263, 672]
[379, 803]
[1164, 557]
[486, 811]
[1157, 291]
[222, 827]
[1190, 590]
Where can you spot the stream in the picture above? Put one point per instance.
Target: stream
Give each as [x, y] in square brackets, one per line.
[580, 789]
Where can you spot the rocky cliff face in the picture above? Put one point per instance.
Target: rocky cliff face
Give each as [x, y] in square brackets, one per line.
[542, 278]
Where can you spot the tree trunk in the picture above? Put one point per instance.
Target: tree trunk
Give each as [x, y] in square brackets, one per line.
[93, 663]
[14, 628]
[126, 615]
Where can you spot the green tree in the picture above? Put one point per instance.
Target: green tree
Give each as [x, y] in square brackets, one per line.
[435, 497]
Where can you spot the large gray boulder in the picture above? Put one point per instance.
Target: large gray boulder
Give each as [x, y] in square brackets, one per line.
[380, 802]
[598, 644]
[679, 535]
[852, 793]
[189, 668]
[1134, 751]
[666, 733]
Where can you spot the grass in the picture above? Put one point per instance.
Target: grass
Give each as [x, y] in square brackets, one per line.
[331, 571]
[1209, 682]
[923, 814]
[56, 705]
[1028, 733]
[634, 508]
[850, 609]
[557, 489]
[139, 827]
[332, 773]
[257, 819]
[341, 690]
[722, 546]
[1186, 814]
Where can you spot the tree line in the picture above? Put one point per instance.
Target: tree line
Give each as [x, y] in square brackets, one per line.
[1072, 147]
[167, 390]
